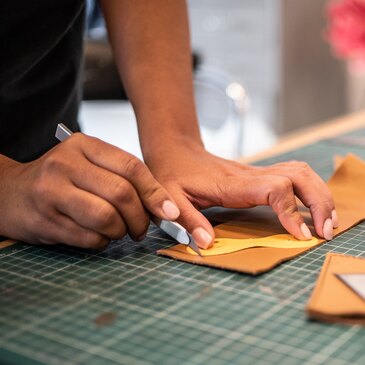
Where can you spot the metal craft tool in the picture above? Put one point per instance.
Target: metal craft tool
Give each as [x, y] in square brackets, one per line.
[177, 231]
[356, 282]
[173, 229]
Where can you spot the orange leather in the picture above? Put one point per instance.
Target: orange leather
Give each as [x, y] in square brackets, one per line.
[332, 300]
[348, 188]
[7, 243]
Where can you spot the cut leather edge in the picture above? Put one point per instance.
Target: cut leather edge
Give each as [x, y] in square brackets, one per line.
[339, 318]
[202, 261]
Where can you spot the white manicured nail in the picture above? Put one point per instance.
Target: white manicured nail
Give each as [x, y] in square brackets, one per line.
[202, 237]
[170, 209]
[334, 219]
[305, 231]
[328, 229]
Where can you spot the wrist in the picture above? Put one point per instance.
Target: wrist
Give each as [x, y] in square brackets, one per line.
[6, 165]
[164, 134]
[170, 144]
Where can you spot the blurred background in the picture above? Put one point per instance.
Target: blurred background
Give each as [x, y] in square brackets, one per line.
[262, 69]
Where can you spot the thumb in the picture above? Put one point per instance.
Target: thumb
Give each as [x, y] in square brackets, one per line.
[195, 223]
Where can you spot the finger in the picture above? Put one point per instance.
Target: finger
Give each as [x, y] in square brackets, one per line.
[314, 194]
[119, 193]
[195, 222]
[91, 212]
[62, 229]
[276, 191]
[154, 197]
[282, 200]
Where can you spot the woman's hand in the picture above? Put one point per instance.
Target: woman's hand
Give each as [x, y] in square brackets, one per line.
[197, 179]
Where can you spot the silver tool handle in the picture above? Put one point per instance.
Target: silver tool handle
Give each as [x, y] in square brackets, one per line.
[62, 132]
[174, 229]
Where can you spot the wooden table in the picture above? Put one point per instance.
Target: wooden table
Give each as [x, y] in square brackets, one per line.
[305, 136]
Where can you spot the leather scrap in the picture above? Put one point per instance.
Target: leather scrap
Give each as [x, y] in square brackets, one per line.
[332, 300]
[6, 243]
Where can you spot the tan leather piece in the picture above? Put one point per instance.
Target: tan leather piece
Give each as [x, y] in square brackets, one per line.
[337, 161]
[6, 243]
[332, 300]
[347, 186]
[224, 246]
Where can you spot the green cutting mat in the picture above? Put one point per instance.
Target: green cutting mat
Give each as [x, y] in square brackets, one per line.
[127, 306]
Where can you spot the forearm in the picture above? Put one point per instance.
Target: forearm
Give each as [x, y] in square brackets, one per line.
[6, 166]
[6, 162]
[7, 183]
[152, 50]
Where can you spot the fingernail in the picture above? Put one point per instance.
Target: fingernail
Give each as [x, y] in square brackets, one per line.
[328, 229]
[202, 237]
[306, 232]
[170, 209]
[334, 219]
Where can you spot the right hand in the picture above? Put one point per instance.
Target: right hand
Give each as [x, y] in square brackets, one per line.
[83, 192]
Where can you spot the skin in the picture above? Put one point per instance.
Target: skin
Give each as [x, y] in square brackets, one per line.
[85, 192]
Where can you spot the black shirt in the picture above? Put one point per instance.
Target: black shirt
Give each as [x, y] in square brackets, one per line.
[40, 61]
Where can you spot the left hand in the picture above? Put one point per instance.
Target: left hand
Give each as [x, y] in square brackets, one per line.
[197, 179]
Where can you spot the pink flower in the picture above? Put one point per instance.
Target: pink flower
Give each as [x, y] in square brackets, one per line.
[346, 31]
